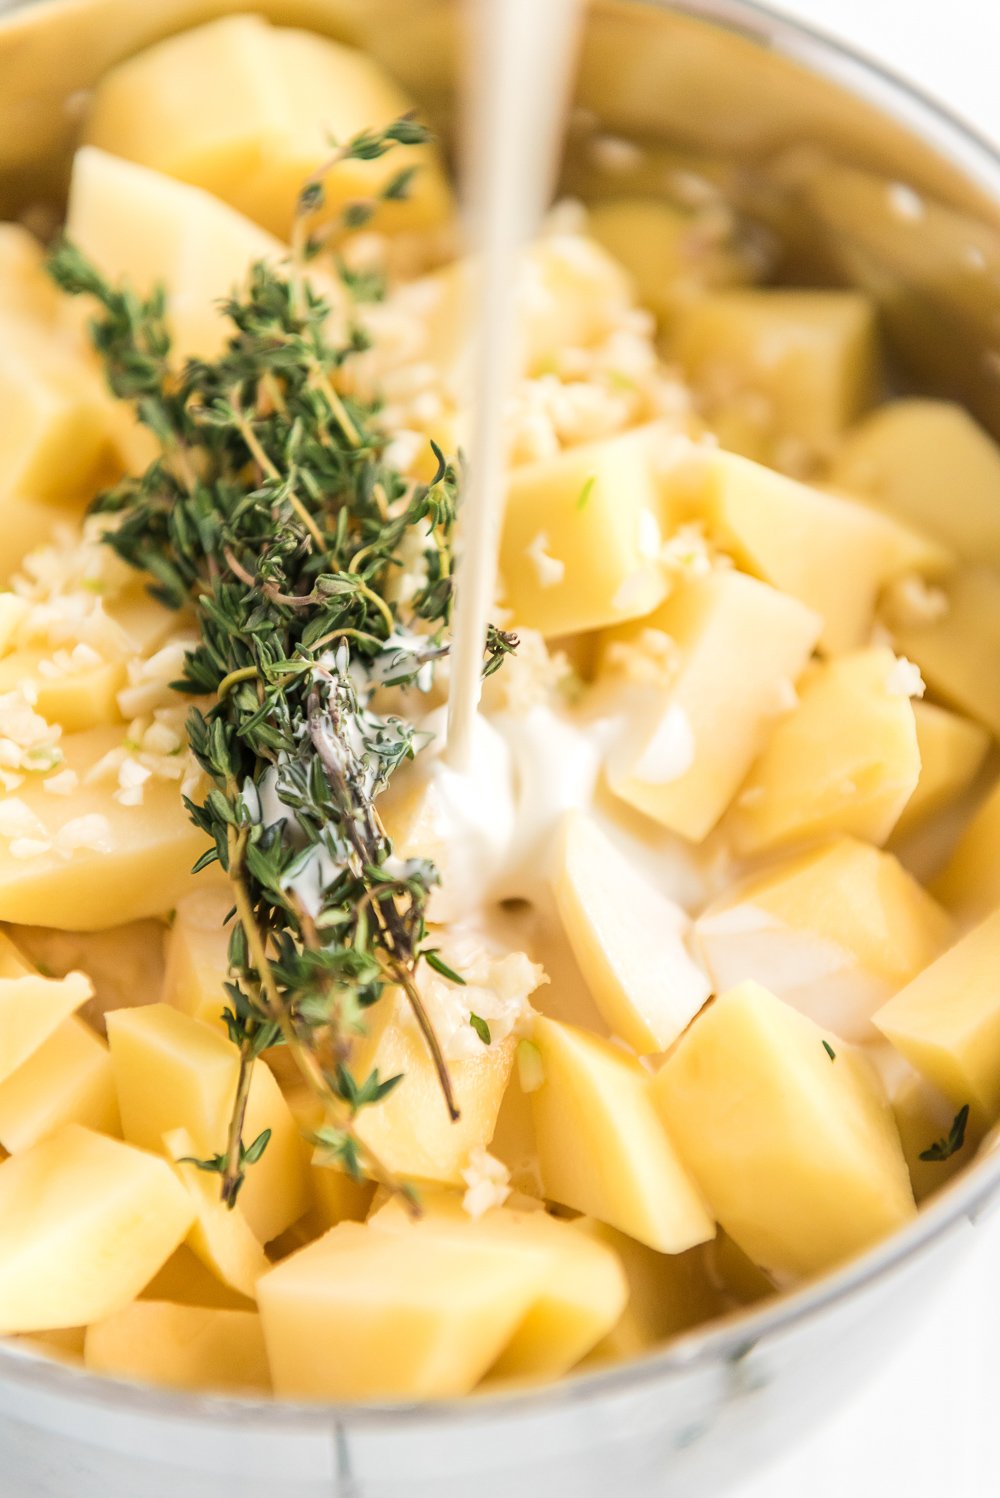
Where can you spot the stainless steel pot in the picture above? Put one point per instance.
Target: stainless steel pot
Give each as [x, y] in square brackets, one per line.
[810, 137]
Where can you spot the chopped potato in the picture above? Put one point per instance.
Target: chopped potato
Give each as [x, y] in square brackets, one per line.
[834, 932]
[740, 648]
[969, 883]
[368, 1314]
[180, 1347]
[794, 1148]
[957, 648]
[844, 761]
[629, 939]
[952, 752]
[68, 1079]
[85, 1223]
[601, 1147]
[222, 1238]
[198, 954]
[32, 1010]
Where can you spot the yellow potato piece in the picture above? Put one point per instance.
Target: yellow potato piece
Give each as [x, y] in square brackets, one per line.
[25, 523]
[628, 937]
[26, 291]
[180, 1347]
[581, 1291]
[220, 1235]
[834, 932]
[410, 1130]
[122, 962]
[797, 1153]
[969, 883]
[64, 1344]
[672, 255]
[602, 1150]
[137, 225]
[741, 647]
[812, 356]
[958, 652]
[832, 553]
[136, 860]
[952, 750]
[85, 1223]
[68, 1079]
[32, 1009]
[261, 106]
[368, 1314]
[923, 1116]
[911, 457]
[186, 1280]
[947, 1023]
[845, 761]
[198, 955]
[77, 697]
[173, 1072]
[580, 537]
[667, 1294]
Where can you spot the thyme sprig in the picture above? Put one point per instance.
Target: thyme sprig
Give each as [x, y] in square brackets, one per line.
[274, 515]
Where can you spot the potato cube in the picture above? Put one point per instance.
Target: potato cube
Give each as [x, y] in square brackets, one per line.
[811, 355]
[581, 537]
[952, 750]
[27, 292]
[741, 647]
[56, 436]
[911, 457]
[628, 937]
[667, 1294]
[969, 883]
[261, 107]
[845, 761]
[673, 256]
[96, 861]
[581, 1291]
[958, 651]
[32, 1009]
[410, 1130]
[221, 1237]
[173, 1072]
[601, 1147]
[198, 954]
[68, 1079]
[831, 553]
[187, 1281]
[946, 1023]
[137, 225]
[180, 1347]
[369, 1314]
[76, 694]
[85, 1223]
[834, 932]
[795, 1150]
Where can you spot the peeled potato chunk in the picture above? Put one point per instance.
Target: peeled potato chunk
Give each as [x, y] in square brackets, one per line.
[368, 1314]
[834, 932]
[173, 1072]
[628, 937]
[79, 695]
[969, 883]
[602, 1150]
[581, 1291]
[845, 761]
[581, 535]
[85, 1223]
[831, 553]
[186, 1280]
[26, 291]
[741, 646]
[105, 863]
[180, 1347]
[958, 651]
[198, 955]
[248, 111]
[222, 1238]
[32, 1009]
[68, 1079]
[952, 750]
[812, 356]
[138, 225]
[795, 1151]
[947, 1022]
[911, 456]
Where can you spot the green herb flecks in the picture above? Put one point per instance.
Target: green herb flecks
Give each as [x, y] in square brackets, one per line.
[481, 1028]
[273, 514]
[828, 1048]
[943, 1149]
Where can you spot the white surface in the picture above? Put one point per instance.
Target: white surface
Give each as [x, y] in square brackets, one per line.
[927, 1427]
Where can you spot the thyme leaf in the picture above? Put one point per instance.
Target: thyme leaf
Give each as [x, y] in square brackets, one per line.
[943, 1149]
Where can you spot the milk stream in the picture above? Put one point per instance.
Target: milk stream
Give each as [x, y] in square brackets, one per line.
[521, 56]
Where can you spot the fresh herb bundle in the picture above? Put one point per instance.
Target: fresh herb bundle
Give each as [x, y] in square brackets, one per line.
[275, 515]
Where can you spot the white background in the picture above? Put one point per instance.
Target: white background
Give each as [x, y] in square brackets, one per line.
[929, 1426]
